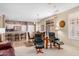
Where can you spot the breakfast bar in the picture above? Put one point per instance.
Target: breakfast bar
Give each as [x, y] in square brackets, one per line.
[15, 36]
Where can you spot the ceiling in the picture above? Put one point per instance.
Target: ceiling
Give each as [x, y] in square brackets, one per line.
[33, 11]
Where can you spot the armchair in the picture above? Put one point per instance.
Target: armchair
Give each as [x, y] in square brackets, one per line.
[38, 41]
[56, 41]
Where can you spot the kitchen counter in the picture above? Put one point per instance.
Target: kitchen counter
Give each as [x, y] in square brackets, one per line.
[15, 35]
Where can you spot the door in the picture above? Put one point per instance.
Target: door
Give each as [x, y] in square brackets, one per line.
[47, 29]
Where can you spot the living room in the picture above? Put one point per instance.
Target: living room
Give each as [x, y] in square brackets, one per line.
[20, 22]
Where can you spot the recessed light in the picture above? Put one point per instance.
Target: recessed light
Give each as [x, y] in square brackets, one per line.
[54, 6]
[49, 3]
[56, 10]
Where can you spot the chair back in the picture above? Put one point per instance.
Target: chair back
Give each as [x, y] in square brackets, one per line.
[38, 38]
[30, 36]
[51, 36]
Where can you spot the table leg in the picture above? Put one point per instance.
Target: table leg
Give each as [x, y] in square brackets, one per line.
[46, 42]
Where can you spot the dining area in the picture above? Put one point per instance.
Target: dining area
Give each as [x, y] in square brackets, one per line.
[16, 30]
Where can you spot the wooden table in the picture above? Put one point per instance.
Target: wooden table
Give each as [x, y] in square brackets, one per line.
[46, 42]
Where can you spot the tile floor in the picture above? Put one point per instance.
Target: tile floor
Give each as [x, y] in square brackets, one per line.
[30, 51]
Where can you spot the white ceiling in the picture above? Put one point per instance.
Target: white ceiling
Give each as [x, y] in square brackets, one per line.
[33, 11]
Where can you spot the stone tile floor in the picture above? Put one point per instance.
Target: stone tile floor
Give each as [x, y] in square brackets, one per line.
[30, 51]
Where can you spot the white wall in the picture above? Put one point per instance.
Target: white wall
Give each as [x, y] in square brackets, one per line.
[63, 34]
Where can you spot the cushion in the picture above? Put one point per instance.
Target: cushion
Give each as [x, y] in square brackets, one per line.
[6, 49]
[5, 45]
[7, 52]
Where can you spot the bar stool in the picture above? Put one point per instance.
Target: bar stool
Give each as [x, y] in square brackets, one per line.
[16, 37]
[9, 37]
[30, 38]
[23, 36]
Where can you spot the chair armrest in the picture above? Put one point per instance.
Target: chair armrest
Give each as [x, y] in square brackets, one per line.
[59, 42]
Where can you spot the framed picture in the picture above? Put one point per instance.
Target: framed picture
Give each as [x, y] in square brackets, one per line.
[62, 23]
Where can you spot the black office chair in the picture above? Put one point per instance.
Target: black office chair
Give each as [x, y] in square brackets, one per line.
[23, 36]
